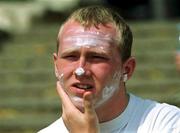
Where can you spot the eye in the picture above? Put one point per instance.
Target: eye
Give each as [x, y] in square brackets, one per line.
[99, 58]
[71, 57]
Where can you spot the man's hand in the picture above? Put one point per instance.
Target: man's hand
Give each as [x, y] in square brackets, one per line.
[74, 119]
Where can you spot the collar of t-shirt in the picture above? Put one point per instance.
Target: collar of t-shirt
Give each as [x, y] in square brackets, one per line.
[119, 123]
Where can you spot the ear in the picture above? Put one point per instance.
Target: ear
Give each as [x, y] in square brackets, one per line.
[55, 64]
[129, 67]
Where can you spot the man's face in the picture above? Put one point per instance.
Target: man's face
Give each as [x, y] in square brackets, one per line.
[95, 51]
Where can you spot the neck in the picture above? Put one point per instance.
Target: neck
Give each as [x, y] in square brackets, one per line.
[113, 107]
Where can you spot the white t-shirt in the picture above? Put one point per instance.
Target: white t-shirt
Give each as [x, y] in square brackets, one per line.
[140, 116]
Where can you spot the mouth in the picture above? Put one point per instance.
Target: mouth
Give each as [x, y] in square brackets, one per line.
[79, 89]
[83, 86]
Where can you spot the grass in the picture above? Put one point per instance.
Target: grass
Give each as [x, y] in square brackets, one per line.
[28, 98]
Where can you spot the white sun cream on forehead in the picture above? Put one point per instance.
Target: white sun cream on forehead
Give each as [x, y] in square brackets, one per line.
[88, 38]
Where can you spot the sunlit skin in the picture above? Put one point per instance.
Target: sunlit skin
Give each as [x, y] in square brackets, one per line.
[100, 65]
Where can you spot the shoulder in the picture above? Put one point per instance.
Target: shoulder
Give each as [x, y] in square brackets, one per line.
[169, 114]
[166, 112]
[162, 117]
[155, 108]
[55, 127]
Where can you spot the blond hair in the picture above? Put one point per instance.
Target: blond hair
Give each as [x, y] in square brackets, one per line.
[96, 15]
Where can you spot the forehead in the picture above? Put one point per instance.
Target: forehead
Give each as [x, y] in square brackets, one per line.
[74, 34]
[72, 27]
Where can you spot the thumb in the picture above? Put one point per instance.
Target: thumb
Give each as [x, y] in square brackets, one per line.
[90, 112]
[88, 103]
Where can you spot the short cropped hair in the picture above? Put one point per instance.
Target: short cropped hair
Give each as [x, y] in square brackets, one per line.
[96, 15]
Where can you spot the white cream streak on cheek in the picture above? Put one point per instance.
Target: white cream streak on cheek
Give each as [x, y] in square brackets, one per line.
[109, 90]
[60, 78]
[106, 94]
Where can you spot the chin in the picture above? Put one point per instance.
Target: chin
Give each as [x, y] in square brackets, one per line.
[78, 102]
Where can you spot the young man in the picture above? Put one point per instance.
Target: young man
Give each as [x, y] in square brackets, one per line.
[92, 64]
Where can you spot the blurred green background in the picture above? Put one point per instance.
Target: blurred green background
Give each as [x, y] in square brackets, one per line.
[28, 30]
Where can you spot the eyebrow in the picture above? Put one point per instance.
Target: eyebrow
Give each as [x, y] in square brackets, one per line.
[76, 50]
[102, 52]
[69, 50]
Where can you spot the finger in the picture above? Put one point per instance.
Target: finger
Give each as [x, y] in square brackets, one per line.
[67, 104]
[61, 91]
[65, 119]
[88, 103]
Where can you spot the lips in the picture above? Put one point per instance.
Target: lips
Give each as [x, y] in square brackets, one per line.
[80, 88]
[83, 86]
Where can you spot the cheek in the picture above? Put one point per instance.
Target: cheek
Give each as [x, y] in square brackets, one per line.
[65, 69]
[65, 73]
[102, 73]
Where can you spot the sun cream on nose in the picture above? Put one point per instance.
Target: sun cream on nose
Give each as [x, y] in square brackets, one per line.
[79, 71]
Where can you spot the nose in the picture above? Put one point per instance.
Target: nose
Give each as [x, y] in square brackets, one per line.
[82, 68]
[81, 72]
[82, 61]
